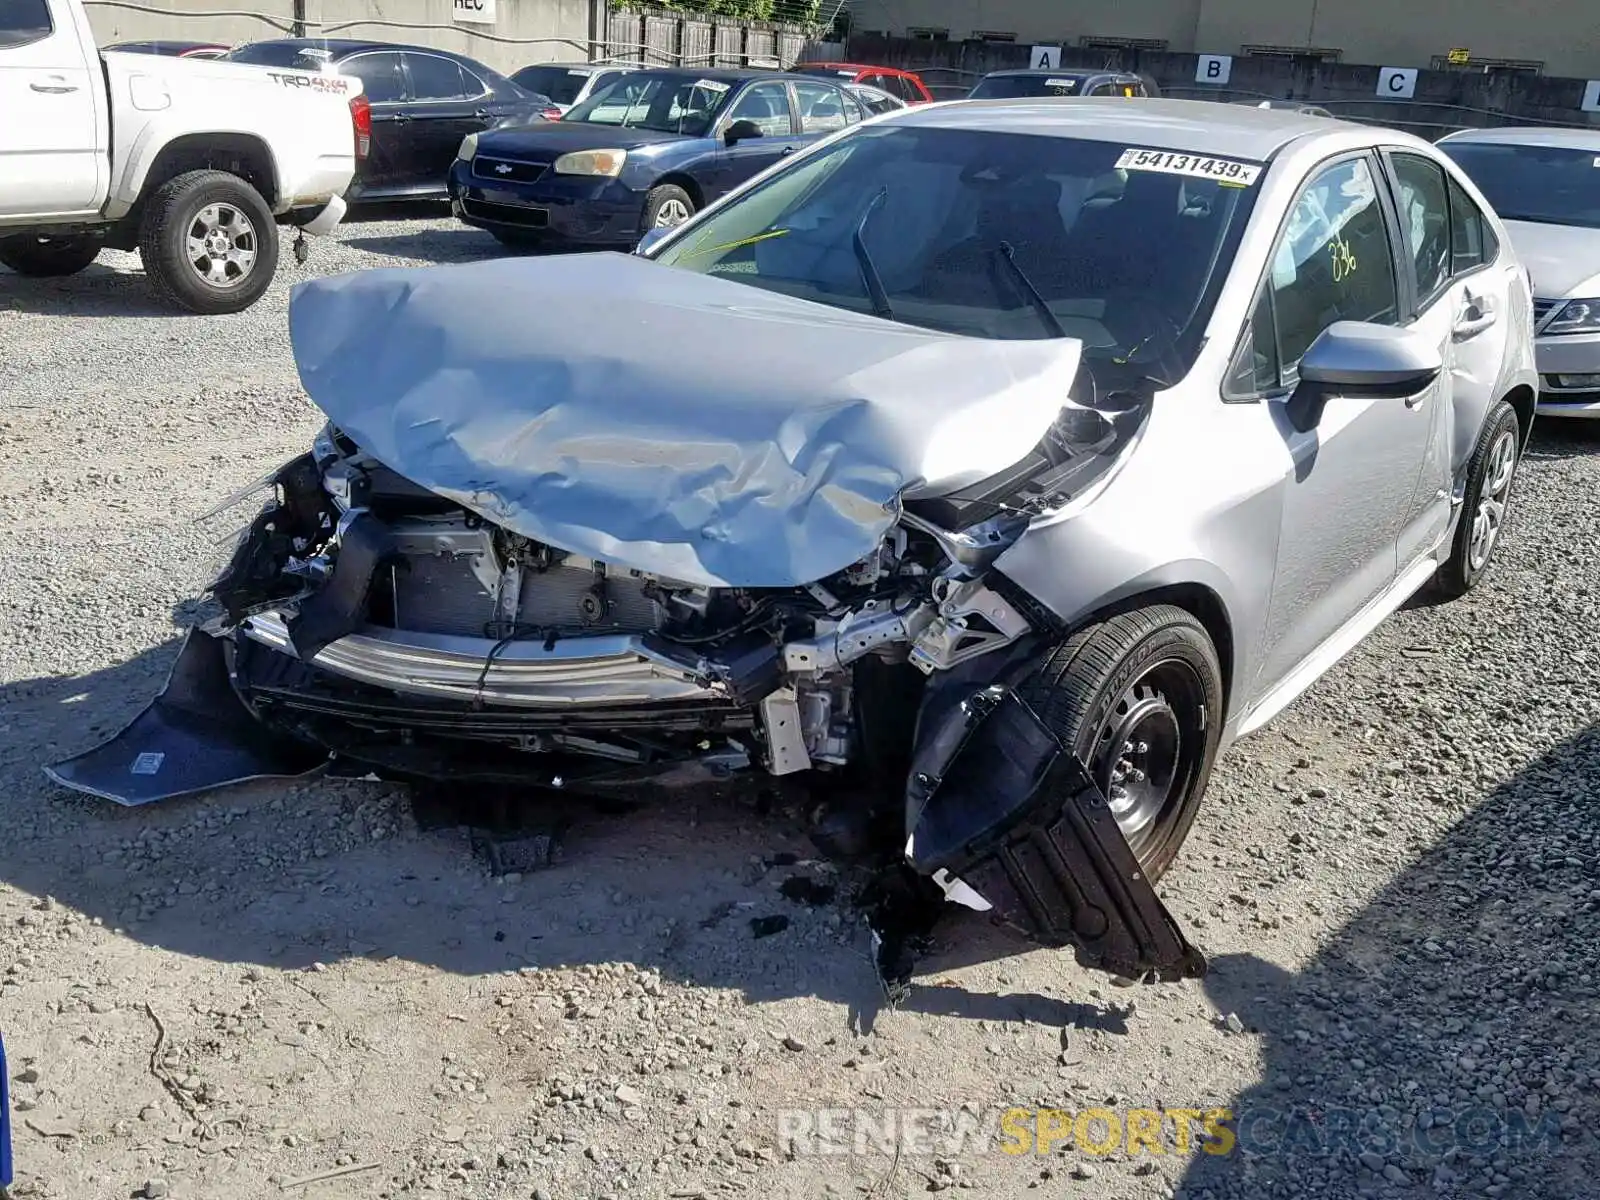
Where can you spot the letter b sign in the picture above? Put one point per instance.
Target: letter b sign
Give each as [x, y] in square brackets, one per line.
[1213, 69]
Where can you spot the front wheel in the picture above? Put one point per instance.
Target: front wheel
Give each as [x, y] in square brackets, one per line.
[1487, 503]
[1139, 698]
[47, 257]
[667, 205]
[209, 242]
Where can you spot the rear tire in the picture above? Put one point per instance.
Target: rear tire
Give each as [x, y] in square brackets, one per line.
[209, 243]
[1139, 698]
[1490, 474]
[49, 257]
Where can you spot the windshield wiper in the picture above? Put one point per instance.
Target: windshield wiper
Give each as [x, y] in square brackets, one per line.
[1008, 255]
[869, 273]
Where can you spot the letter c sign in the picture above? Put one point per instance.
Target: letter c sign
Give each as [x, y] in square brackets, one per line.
[1397, 83]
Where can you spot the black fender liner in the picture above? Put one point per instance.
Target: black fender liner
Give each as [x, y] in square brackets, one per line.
[1002, 806]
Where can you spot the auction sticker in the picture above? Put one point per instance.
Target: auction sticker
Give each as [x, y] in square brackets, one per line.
[147, 763]
[712, 85]
[1198, 166]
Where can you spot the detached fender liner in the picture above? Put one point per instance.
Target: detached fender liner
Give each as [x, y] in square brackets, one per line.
[195, 736]
[1002, 806]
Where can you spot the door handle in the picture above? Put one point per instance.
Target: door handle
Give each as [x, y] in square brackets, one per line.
[401, 118]
[787, 150]
[1474, 319]
[55, 89]
[482, 113]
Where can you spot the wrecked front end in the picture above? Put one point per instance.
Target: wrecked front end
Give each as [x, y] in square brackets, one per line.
[394, 624]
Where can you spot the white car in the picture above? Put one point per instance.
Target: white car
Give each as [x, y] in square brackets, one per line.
[1545, 184]
[874, 100]
[192, 163]
[569, 84]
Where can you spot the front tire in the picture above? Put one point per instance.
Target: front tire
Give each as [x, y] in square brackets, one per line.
[209, 243]
[1139, 697]
[1487, 503]
[665, 206]
[49, 257]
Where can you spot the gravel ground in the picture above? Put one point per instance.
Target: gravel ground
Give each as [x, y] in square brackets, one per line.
[217, 998]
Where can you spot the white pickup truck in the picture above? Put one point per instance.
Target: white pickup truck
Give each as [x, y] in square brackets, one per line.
[192, 163]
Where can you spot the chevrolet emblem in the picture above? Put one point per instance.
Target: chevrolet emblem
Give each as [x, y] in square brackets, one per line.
[503, 169]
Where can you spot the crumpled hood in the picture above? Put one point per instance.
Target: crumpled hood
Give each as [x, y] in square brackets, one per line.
[656, 418]
[1564, 260]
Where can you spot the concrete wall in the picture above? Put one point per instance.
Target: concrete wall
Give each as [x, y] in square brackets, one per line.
[1444, 100]
[1564, 35]
[524, 31]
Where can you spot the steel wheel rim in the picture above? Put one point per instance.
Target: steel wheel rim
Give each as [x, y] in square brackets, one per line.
[1148, 749]
[222, 245]
[1489, 517]
[672, 212]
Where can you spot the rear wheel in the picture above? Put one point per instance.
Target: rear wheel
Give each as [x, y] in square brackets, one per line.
[667, 205]
[1139, 698]
[209, 242]
[44, 257]
[1490, 472]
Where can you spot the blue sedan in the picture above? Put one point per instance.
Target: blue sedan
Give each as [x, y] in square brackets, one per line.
[644, 152]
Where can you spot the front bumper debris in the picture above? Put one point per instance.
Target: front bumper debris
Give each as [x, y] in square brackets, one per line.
[1010, 818]
[195, 736]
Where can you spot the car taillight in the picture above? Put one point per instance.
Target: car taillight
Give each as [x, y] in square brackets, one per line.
[361, 119]
[551, 114]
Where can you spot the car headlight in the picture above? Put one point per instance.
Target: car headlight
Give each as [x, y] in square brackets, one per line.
[468, 149]
[1575, 316]
[591, 162]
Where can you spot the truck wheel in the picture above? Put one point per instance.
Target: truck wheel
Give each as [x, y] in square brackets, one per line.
[1139, 699]
[209, 242]
[43, 257]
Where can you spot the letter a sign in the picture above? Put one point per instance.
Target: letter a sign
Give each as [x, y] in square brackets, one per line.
[1045, 58]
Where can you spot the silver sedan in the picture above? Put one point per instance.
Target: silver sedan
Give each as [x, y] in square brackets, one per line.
[990, 465]
[1545, 184]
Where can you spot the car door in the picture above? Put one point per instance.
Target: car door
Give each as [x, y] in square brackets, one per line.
[382, 75]
[1354, 475]
[51, 159]
[444, 106]
[767, 105]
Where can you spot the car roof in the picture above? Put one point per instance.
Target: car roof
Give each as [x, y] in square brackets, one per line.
[344, 47]
[1529, 135]
[1061, 73]
[574, 64]
[1194, 126]
[850, 66]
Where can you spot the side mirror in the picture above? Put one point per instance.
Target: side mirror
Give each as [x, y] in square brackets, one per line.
[741, 130]
[651, 236]
[1353, 358]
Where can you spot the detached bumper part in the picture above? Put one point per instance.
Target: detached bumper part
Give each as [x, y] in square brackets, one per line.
[195, 736]
[327, 218]
[1003, 808]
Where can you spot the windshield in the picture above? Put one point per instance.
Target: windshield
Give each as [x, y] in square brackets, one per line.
[1552, 185]
[281, 54]
[667, 103]
[561, 84]
[824, 69]
[1010, 87]
[995, 235]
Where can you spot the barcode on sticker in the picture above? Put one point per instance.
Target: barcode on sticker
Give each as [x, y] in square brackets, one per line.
[1197, 166]
[711, 85]
[147, 763]
[1061, 83]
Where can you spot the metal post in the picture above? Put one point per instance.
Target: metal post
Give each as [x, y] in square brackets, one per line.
[5, 1123]
[299, 18]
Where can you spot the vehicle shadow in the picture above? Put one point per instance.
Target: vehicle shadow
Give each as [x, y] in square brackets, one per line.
[99, 290]
[1441, 1042]
[432, 245]
[326, 870]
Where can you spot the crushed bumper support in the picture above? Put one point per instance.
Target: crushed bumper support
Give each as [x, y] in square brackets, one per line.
[195, 736]
[1003, 808]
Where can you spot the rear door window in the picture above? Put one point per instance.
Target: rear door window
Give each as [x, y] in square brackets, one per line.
[1424, 222]
[24, 21]
[1472, 245]
[435, 78]
[381, 76]
[822, 107]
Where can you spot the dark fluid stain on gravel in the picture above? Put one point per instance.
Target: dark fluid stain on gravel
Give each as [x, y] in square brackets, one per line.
[767, 926]
[804, 890]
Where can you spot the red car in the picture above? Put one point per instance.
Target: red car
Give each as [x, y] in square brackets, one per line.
[906, 84]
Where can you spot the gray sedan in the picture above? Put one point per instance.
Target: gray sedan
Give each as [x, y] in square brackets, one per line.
[1545, 184]
[989, 466]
